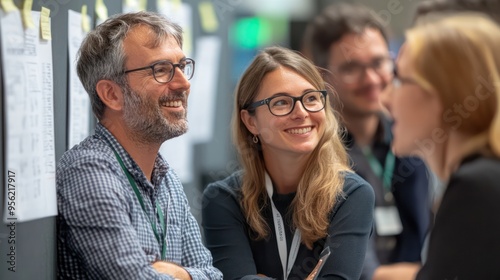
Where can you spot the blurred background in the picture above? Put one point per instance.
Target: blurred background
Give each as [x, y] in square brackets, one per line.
[222, 36]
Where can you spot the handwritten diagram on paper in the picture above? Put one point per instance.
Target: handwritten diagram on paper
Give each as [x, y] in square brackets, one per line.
[29, 119]
[79, 102]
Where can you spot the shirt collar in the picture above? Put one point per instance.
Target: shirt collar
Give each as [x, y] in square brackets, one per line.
[160, 168]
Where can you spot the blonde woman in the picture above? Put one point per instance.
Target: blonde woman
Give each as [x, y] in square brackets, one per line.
[446, 103]
[295, 195]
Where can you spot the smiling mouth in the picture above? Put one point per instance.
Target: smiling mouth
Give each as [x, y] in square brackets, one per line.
[174, 104]
[299, 130]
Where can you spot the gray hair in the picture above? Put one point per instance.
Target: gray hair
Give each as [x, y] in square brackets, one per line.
[101, 55]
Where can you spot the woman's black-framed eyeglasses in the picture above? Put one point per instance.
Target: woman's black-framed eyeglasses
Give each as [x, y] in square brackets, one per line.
[283, 104]
[164, 71]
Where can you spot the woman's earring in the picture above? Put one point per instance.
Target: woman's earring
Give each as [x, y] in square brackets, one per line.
[255, 139]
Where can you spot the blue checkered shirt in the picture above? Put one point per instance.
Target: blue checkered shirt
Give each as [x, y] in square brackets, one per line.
[103, 233]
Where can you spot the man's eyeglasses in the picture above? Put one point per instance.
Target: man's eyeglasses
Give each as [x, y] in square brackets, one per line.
[353, 71]
[282, 105]
[164, 71]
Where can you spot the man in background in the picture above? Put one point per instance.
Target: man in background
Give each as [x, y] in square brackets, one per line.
[350, 43]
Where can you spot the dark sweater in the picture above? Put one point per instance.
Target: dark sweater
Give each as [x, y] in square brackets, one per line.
[465, 240]
[238, 256]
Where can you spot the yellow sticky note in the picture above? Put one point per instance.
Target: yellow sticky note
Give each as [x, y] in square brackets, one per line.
[45, 24]
[143, 5]
[8, 5]
[101, 10]
[208, 17]
[85, 19]
[160, 4]
[27, 18]
[187, 44]
[176, 4]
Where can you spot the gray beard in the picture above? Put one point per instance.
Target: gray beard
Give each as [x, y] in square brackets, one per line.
[146, 122]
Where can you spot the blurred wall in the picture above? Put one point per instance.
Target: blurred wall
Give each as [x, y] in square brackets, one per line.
[213, 160]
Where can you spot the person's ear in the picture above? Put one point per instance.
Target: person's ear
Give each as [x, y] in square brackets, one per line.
[249, 122]
[111, 94]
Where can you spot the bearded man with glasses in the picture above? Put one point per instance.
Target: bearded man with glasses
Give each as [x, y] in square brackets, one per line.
[122, 210]
[350, 44]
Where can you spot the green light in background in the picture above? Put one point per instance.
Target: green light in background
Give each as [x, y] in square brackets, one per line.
[251, 32]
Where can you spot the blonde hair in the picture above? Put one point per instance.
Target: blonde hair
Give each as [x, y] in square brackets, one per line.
[323, 179]
[457, 58]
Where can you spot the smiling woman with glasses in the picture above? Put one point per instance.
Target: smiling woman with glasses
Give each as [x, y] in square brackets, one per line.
[163, 71]
[295, 198]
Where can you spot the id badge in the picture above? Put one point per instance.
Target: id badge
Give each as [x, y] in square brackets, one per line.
[387, 221]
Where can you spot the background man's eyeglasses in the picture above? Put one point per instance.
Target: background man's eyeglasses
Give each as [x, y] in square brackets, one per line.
[164, 71]
[281, 105]
[353, 71]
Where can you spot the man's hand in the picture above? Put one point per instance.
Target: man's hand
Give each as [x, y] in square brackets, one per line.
[171, 269]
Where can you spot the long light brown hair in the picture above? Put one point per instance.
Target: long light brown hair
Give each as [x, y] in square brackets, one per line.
[323, 178]
[457, 58]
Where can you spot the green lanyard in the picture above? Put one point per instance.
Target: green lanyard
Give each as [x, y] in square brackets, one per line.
[139, 197]
[386, 172]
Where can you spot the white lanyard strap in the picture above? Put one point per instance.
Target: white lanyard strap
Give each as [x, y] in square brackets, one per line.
[280, 235]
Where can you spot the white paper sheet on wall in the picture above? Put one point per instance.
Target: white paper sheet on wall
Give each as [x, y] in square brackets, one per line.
[181, 14]
[29, 120]
[204, 89]
[179, 151]
[201, 108]
[78, 99]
